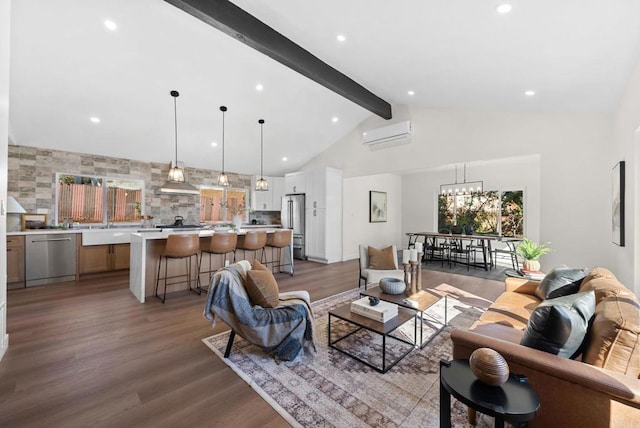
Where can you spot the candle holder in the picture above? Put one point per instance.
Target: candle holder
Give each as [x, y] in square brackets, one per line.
[419, 273]
[406, 267]
[414, 279]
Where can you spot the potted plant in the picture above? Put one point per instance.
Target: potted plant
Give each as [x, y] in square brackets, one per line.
[531, 252]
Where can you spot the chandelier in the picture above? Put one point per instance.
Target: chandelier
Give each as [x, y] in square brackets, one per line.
[464, 188]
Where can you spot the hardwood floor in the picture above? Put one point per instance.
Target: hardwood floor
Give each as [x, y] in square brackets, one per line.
[89, 354]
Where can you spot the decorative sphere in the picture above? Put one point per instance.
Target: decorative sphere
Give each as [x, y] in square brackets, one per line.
[392, 285]
[489, 366]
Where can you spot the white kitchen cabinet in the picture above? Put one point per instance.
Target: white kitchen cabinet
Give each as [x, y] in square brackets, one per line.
[295, 182]
[315, 234]
[269, 200]
[324, 215]
[277, 189]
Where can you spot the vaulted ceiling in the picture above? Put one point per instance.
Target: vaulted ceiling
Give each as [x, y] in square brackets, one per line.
[67, 67]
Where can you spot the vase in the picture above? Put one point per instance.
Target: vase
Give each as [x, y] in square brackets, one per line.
[237, 221]
[531, 265]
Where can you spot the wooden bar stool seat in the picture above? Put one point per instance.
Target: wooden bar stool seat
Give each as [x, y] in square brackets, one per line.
[221, 243]
[253, 240]
[277, 241]
[179, 247]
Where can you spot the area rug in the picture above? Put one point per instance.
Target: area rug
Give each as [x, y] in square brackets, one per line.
[330, 389]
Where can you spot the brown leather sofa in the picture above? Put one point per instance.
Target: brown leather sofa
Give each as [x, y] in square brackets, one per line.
[600, 387]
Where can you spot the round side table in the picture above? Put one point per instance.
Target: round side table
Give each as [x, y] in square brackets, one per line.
[515, 401]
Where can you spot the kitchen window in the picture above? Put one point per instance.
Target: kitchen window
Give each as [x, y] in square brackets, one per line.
[82, 199]
[219, 204]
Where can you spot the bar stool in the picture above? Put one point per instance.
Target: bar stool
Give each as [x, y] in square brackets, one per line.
[179, 247]
[278, 240]
[253, 240]
[221, 243]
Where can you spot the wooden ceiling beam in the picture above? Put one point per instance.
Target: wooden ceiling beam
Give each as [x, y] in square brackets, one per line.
[230, 19]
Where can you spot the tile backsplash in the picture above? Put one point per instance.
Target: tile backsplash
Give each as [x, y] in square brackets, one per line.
[32, 173]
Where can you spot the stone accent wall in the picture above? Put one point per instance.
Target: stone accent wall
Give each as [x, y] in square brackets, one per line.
[32, 176]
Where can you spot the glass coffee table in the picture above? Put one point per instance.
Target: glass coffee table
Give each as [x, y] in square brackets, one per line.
[384, 329]
[426, 300]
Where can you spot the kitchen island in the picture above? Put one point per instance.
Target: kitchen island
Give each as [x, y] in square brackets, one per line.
[147, 245]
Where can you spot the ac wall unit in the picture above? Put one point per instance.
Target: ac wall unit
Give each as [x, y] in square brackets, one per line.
[386, 134]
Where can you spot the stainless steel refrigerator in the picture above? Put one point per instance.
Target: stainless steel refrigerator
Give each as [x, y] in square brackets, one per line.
[292, 217]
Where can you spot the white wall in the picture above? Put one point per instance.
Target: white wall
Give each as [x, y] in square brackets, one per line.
[627, 147]
[356, 227]
[5, 9]
[574, 180]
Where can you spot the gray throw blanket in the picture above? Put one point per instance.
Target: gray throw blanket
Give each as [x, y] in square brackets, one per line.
[283, 331]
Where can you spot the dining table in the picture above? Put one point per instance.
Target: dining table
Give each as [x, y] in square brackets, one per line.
[484, 243]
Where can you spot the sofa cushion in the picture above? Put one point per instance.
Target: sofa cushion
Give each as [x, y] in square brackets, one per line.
[512, 309]
[559, 326]
[604, 284]
[614, 338]
[561, 281]
[261, 286]
[381, 259]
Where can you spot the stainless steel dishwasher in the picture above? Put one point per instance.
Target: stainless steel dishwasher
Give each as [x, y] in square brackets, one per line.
[50, 258]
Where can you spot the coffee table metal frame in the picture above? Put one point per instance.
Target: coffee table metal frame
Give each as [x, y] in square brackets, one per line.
[425, 301]
[384, 329]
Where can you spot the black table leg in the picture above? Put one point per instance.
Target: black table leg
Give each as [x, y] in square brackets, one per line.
[445, 407]
[484, 254]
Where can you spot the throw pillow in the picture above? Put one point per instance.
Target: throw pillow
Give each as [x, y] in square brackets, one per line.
[381, 259]
[559, 326]
[262, 288]
[256, 265]
[561, 281]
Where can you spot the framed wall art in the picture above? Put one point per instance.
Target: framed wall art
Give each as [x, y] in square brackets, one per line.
[377, 207]
[617, 204]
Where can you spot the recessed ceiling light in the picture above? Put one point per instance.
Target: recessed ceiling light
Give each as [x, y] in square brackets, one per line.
[530, 93]
[503, 8]
[411, 93]
[214, 144]
[259, 87]
[284, 159]
[334, 119]
[95, 120]
[110, 25]
[341, 38]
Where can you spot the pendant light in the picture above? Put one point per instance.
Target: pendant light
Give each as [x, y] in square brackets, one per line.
[176, 183]
[261, 184]
[223, 178]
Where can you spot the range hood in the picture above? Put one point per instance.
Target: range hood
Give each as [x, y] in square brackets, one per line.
[177, 188]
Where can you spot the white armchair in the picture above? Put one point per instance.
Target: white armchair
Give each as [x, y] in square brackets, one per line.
[372, 273]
